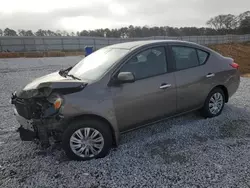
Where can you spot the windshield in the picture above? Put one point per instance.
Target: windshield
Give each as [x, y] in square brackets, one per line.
[97, 64]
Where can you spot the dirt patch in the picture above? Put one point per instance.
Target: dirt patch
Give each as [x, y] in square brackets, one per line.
[163, 149]
[200, 138]
[235, 129]
[230, 129]
[240, 52]
[154, 131]
[164, 144]
[172, 158]
[246, 75]
[238, 143]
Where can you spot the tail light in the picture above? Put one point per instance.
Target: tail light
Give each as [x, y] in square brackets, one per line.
[235, 65]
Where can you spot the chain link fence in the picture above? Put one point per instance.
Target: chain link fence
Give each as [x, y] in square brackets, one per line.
[43, 44]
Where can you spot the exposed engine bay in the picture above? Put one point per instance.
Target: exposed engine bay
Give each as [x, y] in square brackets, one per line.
[42, 114]
[38, 108]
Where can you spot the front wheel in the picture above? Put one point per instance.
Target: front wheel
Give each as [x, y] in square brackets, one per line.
[214, 103]
[87, 139]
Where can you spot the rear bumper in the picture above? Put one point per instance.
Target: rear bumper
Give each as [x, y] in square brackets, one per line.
[233, 84]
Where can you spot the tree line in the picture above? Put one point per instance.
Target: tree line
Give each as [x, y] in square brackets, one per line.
[218, 25]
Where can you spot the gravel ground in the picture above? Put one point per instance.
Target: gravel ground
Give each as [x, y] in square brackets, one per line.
[187, 151]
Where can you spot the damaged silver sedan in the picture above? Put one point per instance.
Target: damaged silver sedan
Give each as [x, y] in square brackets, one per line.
[120, 88]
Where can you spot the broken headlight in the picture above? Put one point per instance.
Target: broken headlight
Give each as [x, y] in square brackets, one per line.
[56, 100]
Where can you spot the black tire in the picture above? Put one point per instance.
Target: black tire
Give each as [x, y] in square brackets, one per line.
[205, 112]
[100, 126]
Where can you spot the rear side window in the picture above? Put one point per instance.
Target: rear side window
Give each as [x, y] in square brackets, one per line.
[185, 57]
[202, 56]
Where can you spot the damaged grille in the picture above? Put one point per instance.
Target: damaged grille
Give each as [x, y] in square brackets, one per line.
[33, 108]
[30, 108]
[23, 108]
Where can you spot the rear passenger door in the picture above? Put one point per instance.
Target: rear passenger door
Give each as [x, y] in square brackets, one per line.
[190, 73]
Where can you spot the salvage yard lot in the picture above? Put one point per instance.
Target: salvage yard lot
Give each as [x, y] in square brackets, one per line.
[187, 151]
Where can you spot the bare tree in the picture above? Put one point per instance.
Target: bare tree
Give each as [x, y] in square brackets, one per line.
[21, 32]
[84, 33]
[58, 33]
[244, 15]
[50, 33]
[227, 21]
[29, 33]
[1, 32]
[41, 33]
[9, 32]
[65, 33]
[245, 25]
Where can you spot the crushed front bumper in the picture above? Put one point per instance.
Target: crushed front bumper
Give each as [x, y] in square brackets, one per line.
[30, 130]
[26, 124]
[26, 130]
[26, 135]
[39, 127]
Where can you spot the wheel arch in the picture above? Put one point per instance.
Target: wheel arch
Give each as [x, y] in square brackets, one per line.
[204, 110]
[224, 89]
[115, 133]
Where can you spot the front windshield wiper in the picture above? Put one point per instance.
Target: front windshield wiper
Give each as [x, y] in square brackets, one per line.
[63, 72]
[74, 77]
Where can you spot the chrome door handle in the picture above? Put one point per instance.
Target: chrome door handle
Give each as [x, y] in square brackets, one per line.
[165, 86]
[210, 75]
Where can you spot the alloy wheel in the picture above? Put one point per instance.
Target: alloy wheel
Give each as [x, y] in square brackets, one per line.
[216, 103]
[86, 142]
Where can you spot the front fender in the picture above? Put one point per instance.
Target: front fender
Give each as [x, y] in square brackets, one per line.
[82, 105]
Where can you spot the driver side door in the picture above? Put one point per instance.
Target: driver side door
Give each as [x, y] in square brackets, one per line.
[153, 94]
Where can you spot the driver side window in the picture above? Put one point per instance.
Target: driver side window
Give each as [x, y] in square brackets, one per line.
[148, 63]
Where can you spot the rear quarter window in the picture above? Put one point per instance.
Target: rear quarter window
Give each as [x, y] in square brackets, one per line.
[203, 56]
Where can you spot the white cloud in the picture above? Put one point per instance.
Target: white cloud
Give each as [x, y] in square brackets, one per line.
[44, 6]
[88, 22]
[117, 9]
[80, 14]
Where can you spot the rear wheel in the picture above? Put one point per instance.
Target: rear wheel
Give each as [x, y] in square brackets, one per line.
[214, 103]
[87, 139]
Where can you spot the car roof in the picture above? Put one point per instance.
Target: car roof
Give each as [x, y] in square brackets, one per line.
[136, 44]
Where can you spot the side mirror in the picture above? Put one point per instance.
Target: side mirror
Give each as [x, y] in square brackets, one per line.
[126, 77]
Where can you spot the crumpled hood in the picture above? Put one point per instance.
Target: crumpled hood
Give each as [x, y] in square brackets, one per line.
[44, 85]
[53, 77]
